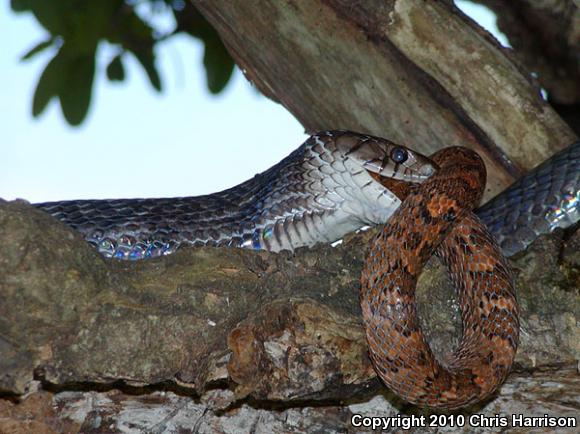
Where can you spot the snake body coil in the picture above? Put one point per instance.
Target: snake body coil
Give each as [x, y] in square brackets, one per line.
[437, 217]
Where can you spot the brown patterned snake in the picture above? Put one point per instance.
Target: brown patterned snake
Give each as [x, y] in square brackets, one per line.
[437, 217]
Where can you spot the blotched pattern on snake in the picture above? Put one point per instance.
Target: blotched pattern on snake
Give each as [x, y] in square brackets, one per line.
[437, 217]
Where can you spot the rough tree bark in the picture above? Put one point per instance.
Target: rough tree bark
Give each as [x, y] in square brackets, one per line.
[417, 72]
[546, 38]
[274, 341]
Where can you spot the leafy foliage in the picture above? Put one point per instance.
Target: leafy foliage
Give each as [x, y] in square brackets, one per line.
[76, 29]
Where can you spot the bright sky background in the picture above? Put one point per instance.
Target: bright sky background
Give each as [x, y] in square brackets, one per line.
[136, 142]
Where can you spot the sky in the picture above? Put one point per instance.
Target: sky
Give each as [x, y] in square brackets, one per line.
[136, 142]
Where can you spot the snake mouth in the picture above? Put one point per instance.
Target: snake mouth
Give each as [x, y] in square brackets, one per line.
[417, 170]
[399, 188]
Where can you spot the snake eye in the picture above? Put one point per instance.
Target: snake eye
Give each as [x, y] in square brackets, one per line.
[399, 155]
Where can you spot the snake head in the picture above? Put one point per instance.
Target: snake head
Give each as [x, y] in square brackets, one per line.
[385, 159]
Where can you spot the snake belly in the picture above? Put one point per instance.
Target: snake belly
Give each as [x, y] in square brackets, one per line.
[437, 217]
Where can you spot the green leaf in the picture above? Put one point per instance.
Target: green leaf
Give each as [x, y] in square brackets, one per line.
[20, 5]
[147, 60]
[48, 84]
[219, 66]
[75, 96]
[191, 21]
[137, 38]
[52, 15]
[115, 69]
[217, 61]
[95, 20]
[37, 49]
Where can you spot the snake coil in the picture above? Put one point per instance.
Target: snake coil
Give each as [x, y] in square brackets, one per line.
[437, 217]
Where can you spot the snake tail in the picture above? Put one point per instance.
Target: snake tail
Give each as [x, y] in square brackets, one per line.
[436, 218]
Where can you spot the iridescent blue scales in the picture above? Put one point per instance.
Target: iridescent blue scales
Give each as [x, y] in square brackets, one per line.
[320, 192]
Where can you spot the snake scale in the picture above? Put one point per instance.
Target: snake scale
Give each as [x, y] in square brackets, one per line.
[339, 181]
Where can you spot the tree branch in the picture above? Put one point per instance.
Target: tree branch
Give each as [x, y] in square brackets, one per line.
[546, 39]
[419, 73]
[283, 327]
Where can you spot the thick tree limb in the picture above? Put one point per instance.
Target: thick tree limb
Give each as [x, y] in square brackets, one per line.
[282, 327]
[546, 39]
[537, 394]
[417, 72]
